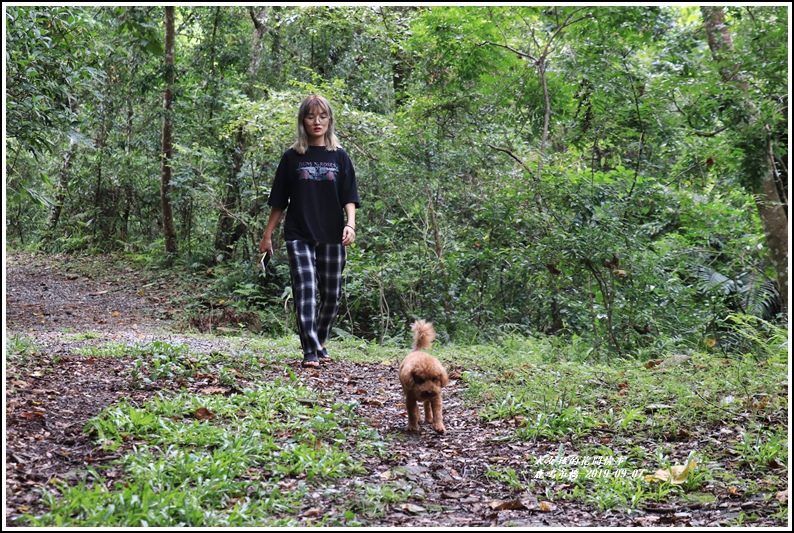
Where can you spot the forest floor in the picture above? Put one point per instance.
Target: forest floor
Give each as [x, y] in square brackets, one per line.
[54, 302]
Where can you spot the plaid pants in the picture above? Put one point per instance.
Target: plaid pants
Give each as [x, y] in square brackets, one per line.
[315, 268]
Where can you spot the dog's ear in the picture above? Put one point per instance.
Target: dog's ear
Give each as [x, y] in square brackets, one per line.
[444, 378]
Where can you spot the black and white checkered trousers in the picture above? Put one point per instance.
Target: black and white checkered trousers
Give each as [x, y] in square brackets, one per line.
[315, 269]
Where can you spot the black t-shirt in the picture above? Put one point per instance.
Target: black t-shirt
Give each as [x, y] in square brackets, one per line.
[314, 188]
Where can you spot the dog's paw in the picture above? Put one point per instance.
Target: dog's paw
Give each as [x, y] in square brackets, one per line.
[439, 428]
[412, 429]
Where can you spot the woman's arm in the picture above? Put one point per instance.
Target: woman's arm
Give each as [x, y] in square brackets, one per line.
[266, 244]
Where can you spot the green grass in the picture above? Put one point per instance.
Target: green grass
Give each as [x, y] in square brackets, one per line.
[20, 350]
[508, 477]
[677, 405]
[227, 471]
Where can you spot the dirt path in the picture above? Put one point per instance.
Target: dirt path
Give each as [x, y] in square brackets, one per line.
[48, 405]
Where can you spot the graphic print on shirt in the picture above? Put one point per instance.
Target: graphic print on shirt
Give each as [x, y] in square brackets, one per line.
[318, 171]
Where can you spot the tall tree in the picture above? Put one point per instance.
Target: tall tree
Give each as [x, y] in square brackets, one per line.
[169, 231]
[770, 205]
[63, 180]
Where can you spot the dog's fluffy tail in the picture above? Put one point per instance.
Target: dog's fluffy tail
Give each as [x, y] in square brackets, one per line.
[424, 334]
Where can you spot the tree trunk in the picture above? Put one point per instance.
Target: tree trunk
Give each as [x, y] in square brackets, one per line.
[770, 206]
[257, 43]
[400, 72]
[400, 67]
[775, 223]
[63, 186]
[63, 178]
[225, 236]
[169, 232]
[275, 48]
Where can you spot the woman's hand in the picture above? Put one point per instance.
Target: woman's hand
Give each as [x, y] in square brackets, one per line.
[266, 244]
[348, 235]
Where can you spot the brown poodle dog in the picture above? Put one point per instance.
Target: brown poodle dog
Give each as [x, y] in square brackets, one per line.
[422, 377]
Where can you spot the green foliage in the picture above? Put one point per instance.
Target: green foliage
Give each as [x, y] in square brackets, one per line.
[47, 68]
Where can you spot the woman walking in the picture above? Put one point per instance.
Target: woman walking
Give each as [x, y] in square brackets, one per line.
[315, 184]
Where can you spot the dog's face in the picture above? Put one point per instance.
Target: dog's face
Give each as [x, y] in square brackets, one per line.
[426, 387]
[423, 376]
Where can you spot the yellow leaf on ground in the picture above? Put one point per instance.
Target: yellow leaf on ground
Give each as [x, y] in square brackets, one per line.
[546, 506]
[676, 475]
[213, 390]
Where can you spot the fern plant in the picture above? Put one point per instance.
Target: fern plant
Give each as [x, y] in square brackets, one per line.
[744, 295]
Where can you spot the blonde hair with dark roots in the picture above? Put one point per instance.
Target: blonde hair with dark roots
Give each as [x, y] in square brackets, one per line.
[317, 104]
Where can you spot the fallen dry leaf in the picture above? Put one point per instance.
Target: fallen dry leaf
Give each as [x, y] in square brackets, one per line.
[546, 507]
[372, 401]
[202, 413]
[509, 505]
[412, 508]
[646, 521]
[213, 390]
[676, 475]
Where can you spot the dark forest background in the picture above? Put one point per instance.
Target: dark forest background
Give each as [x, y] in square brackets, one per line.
[610, 176]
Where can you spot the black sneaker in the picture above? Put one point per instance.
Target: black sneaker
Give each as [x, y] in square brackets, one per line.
[323, 356]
